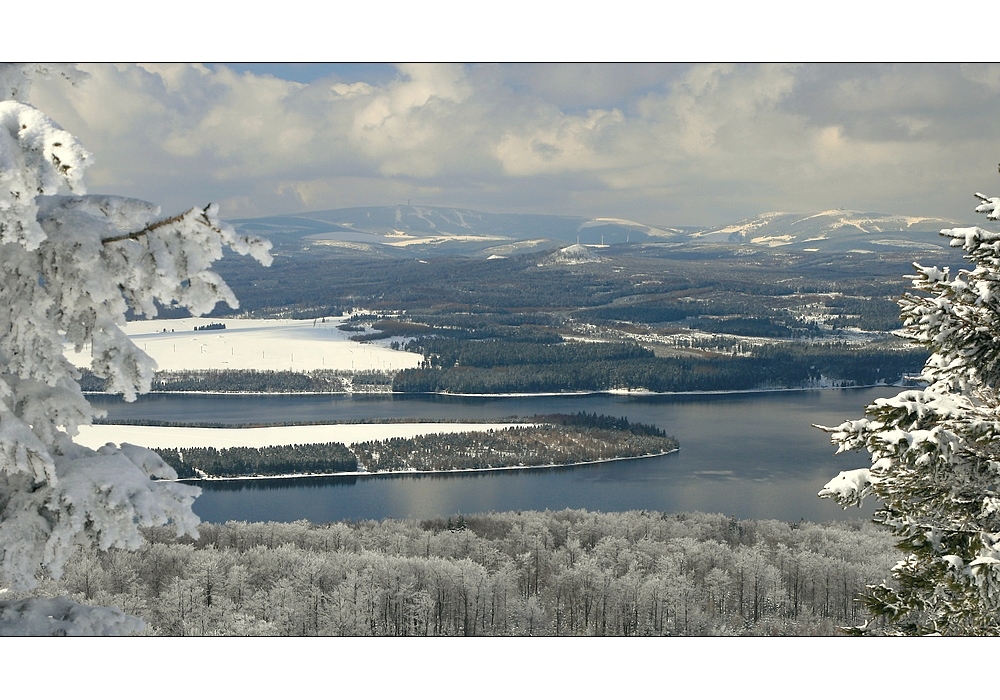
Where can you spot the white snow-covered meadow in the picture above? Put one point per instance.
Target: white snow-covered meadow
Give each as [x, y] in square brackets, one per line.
[94, 436]
[258, 344]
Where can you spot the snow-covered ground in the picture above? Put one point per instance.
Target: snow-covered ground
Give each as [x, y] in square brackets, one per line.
[95, 436]
[401, 241]
[260, 344]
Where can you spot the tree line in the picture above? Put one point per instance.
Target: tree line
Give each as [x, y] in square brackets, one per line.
[259, 381]
[273, 460]
[501, 367]
[532, 363]
[567, 573]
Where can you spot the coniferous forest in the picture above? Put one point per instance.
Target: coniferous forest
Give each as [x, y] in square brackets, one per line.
[497, 366]
[556, 440]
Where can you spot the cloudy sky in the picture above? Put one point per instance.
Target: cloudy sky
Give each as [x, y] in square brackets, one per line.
[665, 144]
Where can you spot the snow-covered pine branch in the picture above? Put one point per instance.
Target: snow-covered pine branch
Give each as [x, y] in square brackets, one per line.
[71, 266]
[990, 206]
[935, 452]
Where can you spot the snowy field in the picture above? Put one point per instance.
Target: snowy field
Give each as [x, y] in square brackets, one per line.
[260, 344]
[95, 436]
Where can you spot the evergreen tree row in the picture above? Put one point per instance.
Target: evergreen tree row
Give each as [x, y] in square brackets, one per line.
[582, 419]
[447, 352]
[259, 381]
[276, 460]
[486, 367]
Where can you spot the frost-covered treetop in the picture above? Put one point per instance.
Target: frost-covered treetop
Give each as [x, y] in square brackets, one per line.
[71, 266]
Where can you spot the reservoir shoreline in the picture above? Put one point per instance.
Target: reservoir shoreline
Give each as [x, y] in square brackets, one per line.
[748, 454]
[419, 472]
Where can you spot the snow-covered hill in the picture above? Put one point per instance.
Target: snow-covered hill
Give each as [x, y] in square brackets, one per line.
[575, 254]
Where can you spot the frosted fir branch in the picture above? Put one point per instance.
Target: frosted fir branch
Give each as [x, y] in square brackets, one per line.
[971, 238]
[849, 488]
[62, 280]
[990, 206]
[136, 235]
[258, 248]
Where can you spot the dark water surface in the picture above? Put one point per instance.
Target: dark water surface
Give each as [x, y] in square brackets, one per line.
[748, 455]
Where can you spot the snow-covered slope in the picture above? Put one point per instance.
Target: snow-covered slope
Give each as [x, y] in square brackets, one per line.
[94, 436]
[832, 231]
[260, 344]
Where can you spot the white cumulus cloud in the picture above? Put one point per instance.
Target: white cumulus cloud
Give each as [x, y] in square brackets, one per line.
[663, 144]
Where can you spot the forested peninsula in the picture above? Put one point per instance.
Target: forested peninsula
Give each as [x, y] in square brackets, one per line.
[544, 440]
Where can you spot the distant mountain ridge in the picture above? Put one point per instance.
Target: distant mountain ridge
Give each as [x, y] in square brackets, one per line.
[838, 230]
[444, 228]
[415, 231]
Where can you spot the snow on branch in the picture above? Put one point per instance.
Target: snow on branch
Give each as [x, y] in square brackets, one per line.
[934, 451]
[71, 266]
[61, 617]
[990, 206]
[257, 247]
[849, 488]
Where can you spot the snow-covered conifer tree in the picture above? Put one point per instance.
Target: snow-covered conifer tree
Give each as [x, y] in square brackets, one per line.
[935, 452]
[71, 266]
